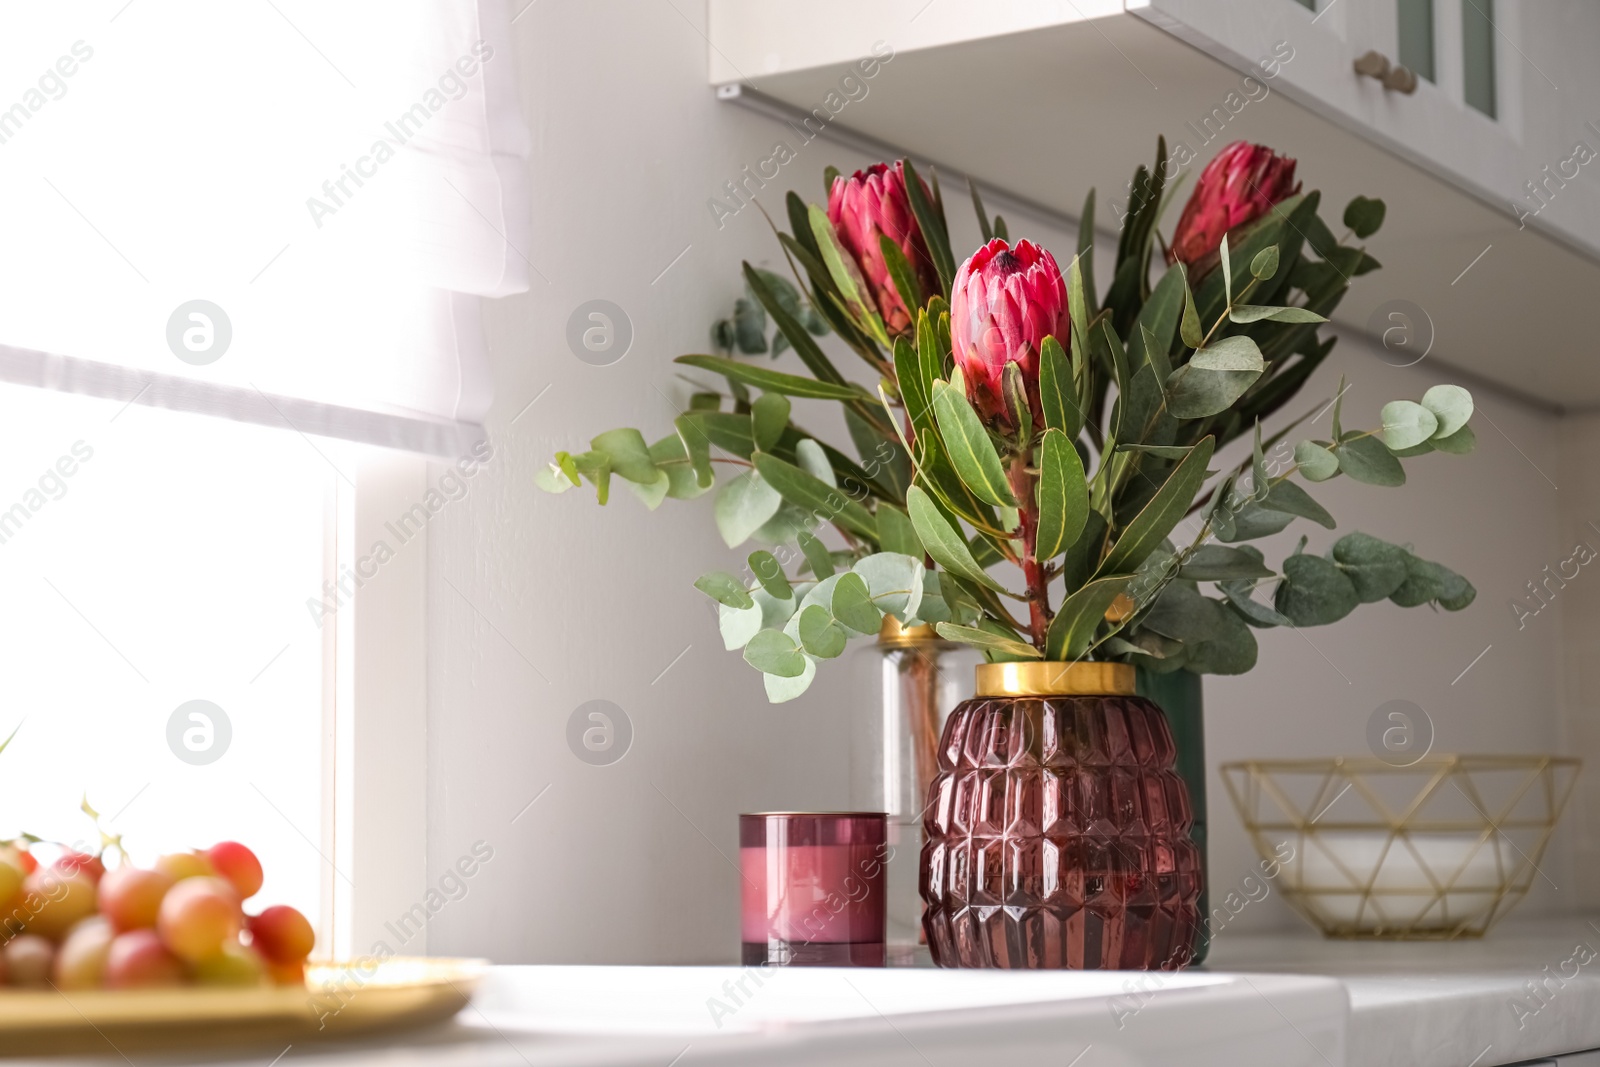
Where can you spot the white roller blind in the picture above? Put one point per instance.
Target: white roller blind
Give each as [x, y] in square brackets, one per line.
[278, 211]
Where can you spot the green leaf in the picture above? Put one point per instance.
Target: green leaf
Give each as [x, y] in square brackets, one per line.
[809, 352]
[1227, 270]
[895, 532]
[1248, 521]
[901, 274]
[1236, 353]
[1196, 393]
[1086, 248]
[693, 445]
[853, 606]
[1247, 313]
[769, 572]
[743, 505]
[943, 542]
[1364, 215]
[653, 493]
[1338, 405]
[1151, 340]
[1426, 581]
[774, 652]
[724, 588]
[1316, 463]
[820, 635]
[895, 582]
[1315, 591]
[630, 456]
[749, 326]
[1230, 649]
[1375, 568]
[1157, 519]
[705, 402]
[1265, 265]
[1459, 443]
[1159, 451]
[846, 276]
[768, 417]
[1368, 460]
[1072, 630]
[772, 381]
[1062, 495]
[781, 690]
[823, 500]
[984, 639]
[1407, 424]
[1293, 500]
[969, 447]
[1084, 553]
[814, 461]
[1057, 397]
[1016, 399]
[1451, 405]
[1077, 308]
[931, 222]
[552, 479]
[817, 555]
[983, 216]
[1215, 563]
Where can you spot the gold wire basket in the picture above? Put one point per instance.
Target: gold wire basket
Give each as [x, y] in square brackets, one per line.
[1440, 849]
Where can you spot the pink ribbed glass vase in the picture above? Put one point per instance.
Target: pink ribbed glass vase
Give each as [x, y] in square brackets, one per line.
[1057, 830]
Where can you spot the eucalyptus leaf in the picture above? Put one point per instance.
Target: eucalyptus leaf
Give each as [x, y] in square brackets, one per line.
[1315, 591]
[1376, 568]
[1451, 405]
[1265, 263]
[820, 634]
[1459, 443]
[1364, 215]
[769, 572]
[1427, 581]
[1235, 353]
[1189, 326]
[781, 689]
[630, 456]
[1248, 313]
[1368, 460]
[696, 445]
[1407, 424]
[743, 505]
[653, 493]
[1316, 463]
[1196, 393]
[1288, 497]
[1215, 563]
[852, 603]
[817, 555]
[768, 417]
[894, 583]
[724, 588]
[814, 461]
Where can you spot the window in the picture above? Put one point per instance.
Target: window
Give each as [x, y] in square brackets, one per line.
[1415, 32]
[1477, 55]
[147, 560]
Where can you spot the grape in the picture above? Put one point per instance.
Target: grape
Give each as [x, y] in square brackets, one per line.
[197, 915]
[138, 960]
[238, 865]
[181, 865]
[28, 960]
[81, 963]
[235, 965]
[282, 934]
[71, 861]
[131, 897]
[52, 901]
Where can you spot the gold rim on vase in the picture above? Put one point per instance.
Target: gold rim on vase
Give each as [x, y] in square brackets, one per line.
[1041, 679]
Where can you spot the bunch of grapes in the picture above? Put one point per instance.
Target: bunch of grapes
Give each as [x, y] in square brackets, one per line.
[75, 925]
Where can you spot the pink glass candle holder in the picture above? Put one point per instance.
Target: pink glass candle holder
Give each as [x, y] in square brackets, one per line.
[813, 888]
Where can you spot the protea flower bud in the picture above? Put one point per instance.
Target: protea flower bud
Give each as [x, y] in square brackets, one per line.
[1003, 305]
[1240, 185]
[872, 202]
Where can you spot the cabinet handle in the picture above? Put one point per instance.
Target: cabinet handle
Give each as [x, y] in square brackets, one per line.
[1393, 77]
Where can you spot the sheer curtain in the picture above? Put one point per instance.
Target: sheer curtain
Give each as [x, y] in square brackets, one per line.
[276, 211]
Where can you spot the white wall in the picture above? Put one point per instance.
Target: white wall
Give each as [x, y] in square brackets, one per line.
[540, 603]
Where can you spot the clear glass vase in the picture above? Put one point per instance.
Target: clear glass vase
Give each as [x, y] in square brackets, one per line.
[915, 679]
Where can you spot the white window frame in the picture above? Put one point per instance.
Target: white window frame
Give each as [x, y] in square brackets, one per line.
[374, 760]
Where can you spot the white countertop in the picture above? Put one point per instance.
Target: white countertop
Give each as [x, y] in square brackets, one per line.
[1288, 1000]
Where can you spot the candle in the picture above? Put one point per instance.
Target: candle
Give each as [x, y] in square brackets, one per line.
[812, 888]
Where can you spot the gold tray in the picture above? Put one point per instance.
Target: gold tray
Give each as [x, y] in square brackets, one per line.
[338, 1000]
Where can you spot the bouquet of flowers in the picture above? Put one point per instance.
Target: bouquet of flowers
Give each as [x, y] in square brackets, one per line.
[1013, 414]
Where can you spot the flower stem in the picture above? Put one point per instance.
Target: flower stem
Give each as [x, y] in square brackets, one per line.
[1033, 570]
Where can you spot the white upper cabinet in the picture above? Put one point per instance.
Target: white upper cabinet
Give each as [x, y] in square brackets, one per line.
[1493, 227]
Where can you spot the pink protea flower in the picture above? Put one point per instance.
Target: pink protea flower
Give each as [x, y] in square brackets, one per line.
[1240, 185]
[872, 202]
[1003, 305]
